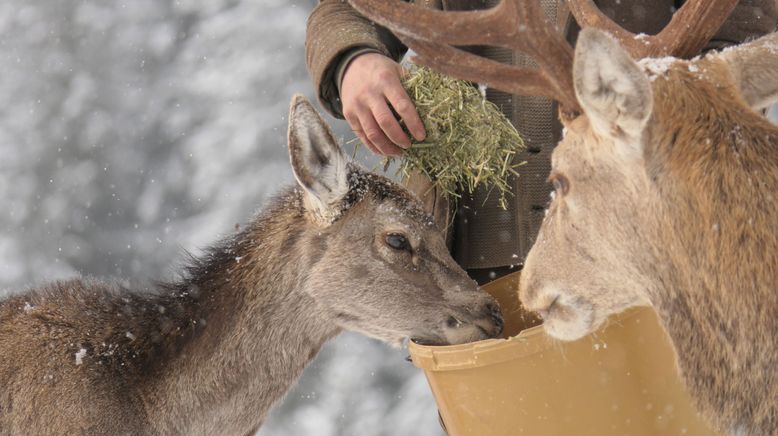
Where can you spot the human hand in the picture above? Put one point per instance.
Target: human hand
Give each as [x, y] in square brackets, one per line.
[370, 84]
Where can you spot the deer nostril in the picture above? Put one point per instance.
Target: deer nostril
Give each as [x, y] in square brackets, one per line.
[494, 313]
[543, 313]
[497, 318]
[498, 326]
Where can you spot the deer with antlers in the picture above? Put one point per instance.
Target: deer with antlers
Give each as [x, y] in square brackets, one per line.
[210, 354]
[665, 183]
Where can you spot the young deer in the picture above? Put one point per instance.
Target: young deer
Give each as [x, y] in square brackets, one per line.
[212, 353]
[666, 185]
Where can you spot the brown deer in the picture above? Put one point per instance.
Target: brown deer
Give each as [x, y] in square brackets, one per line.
[666, 185]
[665, 196]
[211, 354]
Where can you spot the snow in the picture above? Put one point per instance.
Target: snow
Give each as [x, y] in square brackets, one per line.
[160, 125]
[656, 67]
[80, 356]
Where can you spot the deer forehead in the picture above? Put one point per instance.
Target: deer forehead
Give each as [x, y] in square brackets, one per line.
[582, 152]
[385, 194]
[403, 216]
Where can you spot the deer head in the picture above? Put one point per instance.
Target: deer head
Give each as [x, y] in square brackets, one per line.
[631, 193]
[380, 265]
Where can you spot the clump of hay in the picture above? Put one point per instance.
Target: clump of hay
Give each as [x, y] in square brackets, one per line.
[469, 141]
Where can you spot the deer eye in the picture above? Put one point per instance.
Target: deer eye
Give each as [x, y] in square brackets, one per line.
[398, 242]
[560, 183]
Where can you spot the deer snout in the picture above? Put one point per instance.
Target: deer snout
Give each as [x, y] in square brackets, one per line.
[491, 320]
[536, 297]
[540, 302]
[485, 322]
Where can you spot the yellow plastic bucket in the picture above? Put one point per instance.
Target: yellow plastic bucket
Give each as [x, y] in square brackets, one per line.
[620, 380]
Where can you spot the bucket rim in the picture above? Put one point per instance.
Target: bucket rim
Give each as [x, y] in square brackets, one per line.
[495, 351]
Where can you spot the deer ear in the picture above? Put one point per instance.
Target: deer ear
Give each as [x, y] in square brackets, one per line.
[754, 66]
[319, 164]
[613, 91]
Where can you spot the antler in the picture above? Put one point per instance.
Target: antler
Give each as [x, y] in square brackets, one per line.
[515, 24]
[691, 27]
[522, 25]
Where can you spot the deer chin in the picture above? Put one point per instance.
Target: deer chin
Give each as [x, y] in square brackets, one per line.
[565, 329]
[429, 341]
[464, 335]
[470, 332]
[460, 335]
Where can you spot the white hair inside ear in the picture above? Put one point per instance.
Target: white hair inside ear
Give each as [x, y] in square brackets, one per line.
[613, 90]
[318, 163]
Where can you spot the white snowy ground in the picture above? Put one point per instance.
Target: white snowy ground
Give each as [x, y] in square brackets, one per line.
[130, 131]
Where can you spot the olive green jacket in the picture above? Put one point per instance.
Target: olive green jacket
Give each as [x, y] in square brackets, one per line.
[482, 234]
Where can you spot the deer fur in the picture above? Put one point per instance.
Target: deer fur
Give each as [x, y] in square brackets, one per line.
[211, 353]
[667, 195]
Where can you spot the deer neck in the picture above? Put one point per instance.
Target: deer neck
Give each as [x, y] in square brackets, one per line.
[714, 173]
[260, 328]
[714, 276]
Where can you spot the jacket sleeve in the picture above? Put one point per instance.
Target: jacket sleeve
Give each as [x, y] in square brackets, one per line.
[336, 30]
[750, 20]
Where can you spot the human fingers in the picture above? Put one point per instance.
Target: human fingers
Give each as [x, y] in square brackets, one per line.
[388, 123]
[376, 136]
[356, 127]
[404, 107]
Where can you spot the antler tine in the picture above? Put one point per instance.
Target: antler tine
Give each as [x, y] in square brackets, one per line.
[467, 66]
[516, 24]
[691, 27]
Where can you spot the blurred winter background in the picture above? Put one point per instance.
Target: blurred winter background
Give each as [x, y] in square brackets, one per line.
[132, 130]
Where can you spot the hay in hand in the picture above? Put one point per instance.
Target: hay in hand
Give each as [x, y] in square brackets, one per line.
[469, 141]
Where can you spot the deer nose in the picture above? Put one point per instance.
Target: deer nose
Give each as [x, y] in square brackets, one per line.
[490, 320]
[542, 303]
